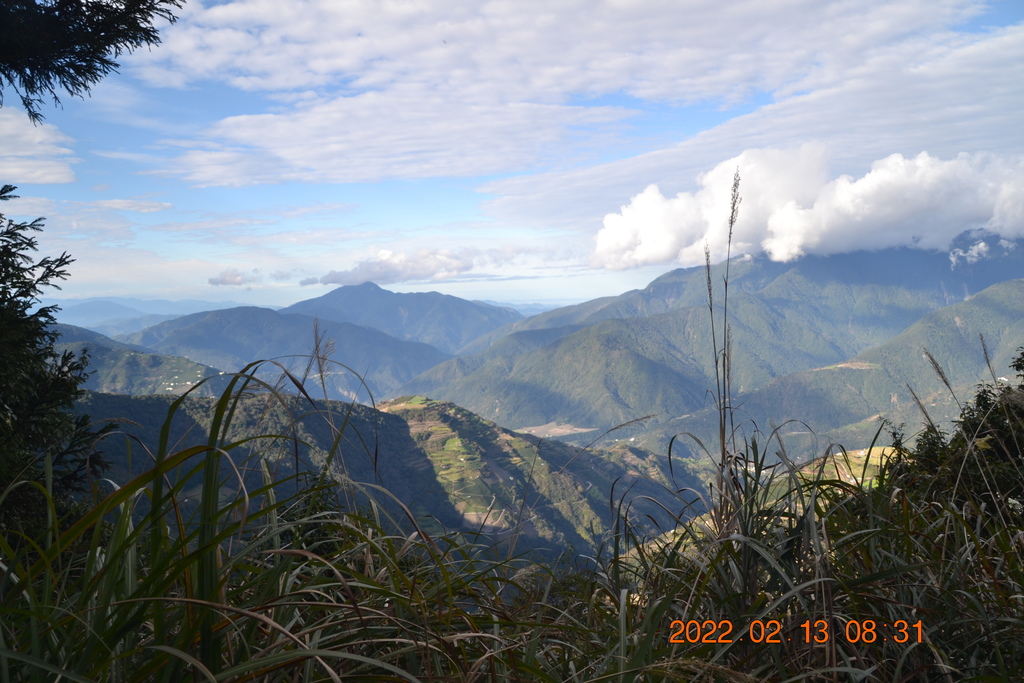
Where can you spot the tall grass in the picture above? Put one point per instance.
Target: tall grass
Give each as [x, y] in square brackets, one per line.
[251, 587]
[856, 564]
[321, 578]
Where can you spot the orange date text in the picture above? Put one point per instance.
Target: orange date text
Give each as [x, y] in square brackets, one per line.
[771, 631]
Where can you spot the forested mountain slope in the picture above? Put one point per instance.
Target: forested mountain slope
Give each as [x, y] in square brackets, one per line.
[650, 351]
[844, 400]
[443, 462]
[119, 368]
[932, 279]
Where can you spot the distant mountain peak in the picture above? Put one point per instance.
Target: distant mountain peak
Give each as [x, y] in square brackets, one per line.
[441, 320]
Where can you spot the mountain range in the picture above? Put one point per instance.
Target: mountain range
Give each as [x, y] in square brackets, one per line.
[845, 402]
[834, 342]
[611, 360]
[122, 315]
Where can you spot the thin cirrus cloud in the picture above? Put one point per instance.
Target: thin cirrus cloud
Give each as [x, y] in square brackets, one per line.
[536, 50]
[792, 206]
[96, 222]
[375, 136]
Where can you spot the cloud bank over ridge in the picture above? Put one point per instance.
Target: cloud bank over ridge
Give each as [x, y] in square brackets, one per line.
[791, 206]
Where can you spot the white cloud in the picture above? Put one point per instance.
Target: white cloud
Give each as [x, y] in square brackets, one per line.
[125, 269]
[410, 133]
[138, 205]
[72, 224]
[390, 267]
[28, 207]
[33, 153]
[536, 50]
[235, 277]
[977, 251]
[958, 94]
[371, 90]
[791, 206]
[99, 222]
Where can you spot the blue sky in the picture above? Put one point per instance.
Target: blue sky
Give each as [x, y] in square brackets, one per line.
[520, 150]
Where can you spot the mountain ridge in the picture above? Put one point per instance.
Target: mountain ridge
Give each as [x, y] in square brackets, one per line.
[366, 362]
[598, 364]
[785, 318]
[445, 463]
[441, 320]
[119, 368]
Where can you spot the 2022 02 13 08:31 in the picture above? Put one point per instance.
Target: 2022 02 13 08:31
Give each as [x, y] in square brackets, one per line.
[817, 631]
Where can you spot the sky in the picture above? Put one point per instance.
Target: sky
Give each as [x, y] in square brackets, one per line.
[521, 150]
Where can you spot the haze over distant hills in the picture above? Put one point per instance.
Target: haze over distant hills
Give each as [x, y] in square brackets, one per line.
[379, 358]
[119, 315]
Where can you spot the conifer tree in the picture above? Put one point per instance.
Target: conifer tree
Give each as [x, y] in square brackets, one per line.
[46, 45]
[41, 439]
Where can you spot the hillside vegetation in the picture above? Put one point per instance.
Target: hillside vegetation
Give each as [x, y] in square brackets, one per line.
[843, 401]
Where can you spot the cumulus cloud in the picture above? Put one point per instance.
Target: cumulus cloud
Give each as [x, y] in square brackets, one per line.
[235, 277]
[389, 267]
[791, 206]
[975, 253]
